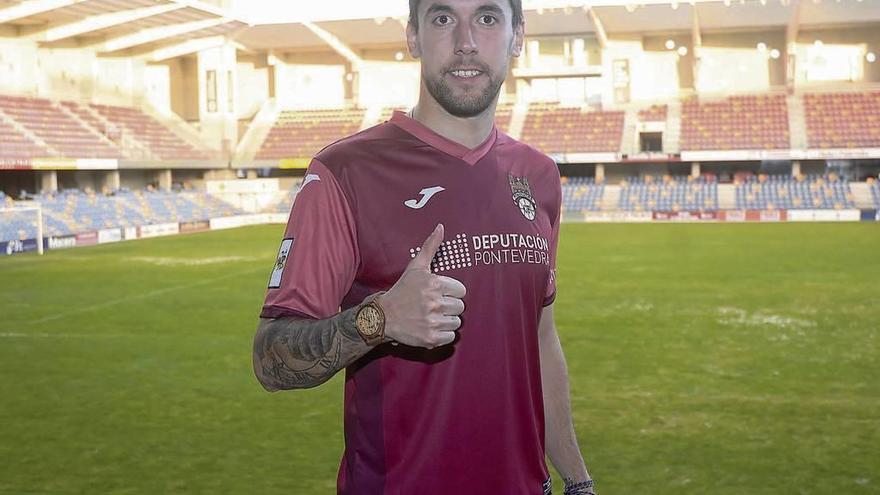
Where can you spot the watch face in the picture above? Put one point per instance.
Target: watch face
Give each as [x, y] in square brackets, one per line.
[368, 320]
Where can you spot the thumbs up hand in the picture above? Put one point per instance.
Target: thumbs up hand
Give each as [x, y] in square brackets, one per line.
[422, 309]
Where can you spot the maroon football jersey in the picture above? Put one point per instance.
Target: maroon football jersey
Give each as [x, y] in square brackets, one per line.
[465, 418]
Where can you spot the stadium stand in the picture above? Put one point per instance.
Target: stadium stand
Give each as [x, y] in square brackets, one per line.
[90, 117]
[302, 133]
[161, 141]
[654, 113]
[17, 145]
[73, 211]
[843, 120]
[745, 122]
[387, 111]
[768, 192]
[284, 203]
[874, 185]
[503, 116]
[681, 193]
[17, 226]
[582, 193]
[63, 134]
[555, 128]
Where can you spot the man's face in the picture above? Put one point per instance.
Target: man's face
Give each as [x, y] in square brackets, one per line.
[465, 48]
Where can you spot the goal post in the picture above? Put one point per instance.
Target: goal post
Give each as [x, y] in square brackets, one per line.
[17, 214]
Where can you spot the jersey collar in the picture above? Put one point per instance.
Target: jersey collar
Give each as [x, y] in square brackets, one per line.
[446, 145]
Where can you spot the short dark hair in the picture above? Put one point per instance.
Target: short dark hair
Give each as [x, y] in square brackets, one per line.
[515, 5]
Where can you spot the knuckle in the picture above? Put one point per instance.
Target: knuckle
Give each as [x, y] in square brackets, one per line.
[431, 323]
[434, 306]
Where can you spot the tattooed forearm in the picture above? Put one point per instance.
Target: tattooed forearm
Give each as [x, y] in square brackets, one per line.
[294, 353]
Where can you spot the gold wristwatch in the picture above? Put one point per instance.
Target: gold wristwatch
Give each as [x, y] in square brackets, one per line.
[370, 321]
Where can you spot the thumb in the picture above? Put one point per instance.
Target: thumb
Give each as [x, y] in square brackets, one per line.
[429, 249]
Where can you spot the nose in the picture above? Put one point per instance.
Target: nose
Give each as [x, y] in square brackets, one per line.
[464, 39]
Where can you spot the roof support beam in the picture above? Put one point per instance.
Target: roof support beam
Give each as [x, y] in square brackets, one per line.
[157, 34]
[33, 7]
[791, 34]
[185, 48]
[337, 44]
[791, 30]
[104, 21]
[599, 28]
[696, 45]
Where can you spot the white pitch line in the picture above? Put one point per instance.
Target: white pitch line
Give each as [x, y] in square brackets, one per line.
[113, 302]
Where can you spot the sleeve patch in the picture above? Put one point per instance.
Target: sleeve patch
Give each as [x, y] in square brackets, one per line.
[280, 263]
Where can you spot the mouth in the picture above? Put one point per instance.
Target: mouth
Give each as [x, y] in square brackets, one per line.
[466, 73]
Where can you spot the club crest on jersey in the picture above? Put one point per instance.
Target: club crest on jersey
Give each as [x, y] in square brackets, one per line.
[522, 196]
[280, 262]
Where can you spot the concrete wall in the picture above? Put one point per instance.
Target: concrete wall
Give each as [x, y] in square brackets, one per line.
[217, 83]
[184, 87]
[253, 88]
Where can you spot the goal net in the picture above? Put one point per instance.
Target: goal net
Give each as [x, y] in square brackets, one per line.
[21, 227]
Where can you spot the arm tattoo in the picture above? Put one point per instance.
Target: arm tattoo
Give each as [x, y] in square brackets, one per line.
[294, 353]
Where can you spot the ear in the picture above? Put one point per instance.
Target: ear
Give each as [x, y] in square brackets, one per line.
[519, 34]
[412, 41]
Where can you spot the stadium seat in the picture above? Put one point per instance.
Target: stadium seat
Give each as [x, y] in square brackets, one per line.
[555, 128]
[302, 133]
[63, 135]
[161, 141]
[669, 193]
[582, 194]
[748, 122]
[843, 120]
[654, 113]
[74, 211]
[874, 186]
[770, 192]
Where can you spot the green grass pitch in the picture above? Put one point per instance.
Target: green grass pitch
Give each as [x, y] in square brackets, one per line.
[703, 359]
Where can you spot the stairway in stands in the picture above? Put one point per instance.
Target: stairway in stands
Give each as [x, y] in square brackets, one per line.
[797, 123]
[672, 134]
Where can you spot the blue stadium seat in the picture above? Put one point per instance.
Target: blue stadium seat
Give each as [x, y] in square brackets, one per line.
[669, 193]
[768, 192]
[582, 194]
[72, 211]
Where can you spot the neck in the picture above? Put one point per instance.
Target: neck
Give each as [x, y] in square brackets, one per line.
[467, 131]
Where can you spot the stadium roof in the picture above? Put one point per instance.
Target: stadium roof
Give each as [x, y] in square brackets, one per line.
[161, 29]
[120, 27]
[380, 22]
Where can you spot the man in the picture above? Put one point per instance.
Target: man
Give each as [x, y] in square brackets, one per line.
[436, 234]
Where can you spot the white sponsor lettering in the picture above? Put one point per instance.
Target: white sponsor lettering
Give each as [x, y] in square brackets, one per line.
[491, 241]
[62, 242]
[159, 229]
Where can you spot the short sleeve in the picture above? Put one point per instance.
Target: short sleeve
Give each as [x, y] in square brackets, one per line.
[318, 257]
[550, 294]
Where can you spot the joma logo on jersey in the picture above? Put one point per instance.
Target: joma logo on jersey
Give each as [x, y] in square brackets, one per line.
[522, 196]
[426, 194]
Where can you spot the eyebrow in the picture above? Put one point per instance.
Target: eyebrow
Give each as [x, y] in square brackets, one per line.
[486, 7]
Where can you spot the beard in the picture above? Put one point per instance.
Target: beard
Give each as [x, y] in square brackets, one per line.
[469, 105]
